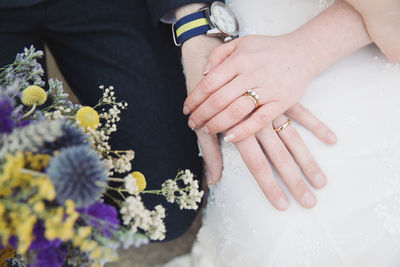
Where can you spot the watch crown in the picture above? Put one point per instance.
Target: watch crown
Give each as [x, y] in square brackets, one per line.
[228, 39]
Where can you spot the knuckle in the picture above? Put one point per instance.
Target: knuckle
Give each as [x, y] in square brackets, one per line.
[237, 110]
[258, 164]
[282, 156]
[218, 101]
[206, 85]
[244, 130]
[262, 119]
[214, 126]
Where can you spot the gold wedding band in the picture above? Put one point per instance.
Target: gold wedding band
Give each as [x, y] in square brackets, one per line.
[253, 96]
[283, 126]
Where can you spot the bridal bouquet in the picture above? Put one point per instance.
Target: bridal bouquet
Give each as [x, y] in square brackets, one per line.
[56, 165]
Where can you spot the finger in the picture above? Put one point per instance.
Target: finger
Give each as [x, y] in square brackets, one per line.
[218, 101]
[312, 123]
[286, 167]
[212, 156]
[258, 165]
[219, 54]
[296, 146]
[215, 79]
[232, 115]
[258, 120]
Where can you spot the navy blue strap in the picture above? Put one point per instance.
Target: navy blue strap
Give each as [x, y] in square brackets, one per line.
[190, 26]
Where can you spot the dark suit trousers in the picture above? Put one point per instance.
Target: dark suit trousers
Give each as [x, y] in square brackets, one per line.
[115, 42]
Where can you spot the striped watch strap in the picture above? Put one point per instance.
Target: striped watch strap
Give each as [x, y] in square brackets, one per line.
[190, 26]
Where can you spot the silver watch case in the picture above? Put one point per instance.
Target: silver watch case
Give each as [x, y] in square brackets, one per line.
[215, 29]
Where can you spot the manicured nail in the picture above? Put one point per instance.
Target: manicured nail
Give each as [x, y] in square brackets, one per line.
[282, 204]
[205, 129]
[332, 138]
[229, 138]
[207, 69]
[192, 124]
[319, 180]
[309, 200]
[186, 110]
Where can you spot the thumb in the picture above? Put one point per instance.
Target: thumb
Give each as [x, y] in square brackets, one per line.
[211, 152]
[219, 54]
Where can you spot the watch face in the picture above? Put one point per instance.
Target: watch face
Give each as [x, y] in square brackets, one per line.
[224, 18]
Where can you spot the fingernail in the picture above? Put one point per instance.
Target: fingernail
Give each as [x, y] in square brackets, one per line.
[309, 200]
[207, 69]
[191, 124]
[319, 180]
[332, 138]
[186, 110]
[205, 129]
[282, 204]
[229, 138]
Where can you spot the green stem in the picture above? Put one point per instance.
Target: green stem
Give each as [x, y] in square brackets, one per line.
[122, 195]
[114, 179]
[115, 200]
[27, 171]
[116, 189]
[157, 192]
[29, 112]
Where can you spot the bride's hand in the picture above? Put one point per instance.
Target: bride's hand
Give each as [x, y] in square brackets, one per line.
[277, 68]
[285, 150]
[274, 67]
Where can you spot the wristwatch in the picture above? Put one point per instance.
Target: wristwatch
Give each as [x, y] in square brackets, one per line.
[215, 20]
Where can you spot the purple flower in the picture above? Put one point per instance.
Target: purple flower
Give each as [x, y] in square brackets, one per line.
[50, 253]
[103, 217]
[7, 123]
[40, 242]
[52, 257]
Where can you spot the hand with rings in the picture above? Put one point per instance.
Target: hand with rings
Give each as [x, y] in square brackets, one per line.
[280, 145]
[248, 83]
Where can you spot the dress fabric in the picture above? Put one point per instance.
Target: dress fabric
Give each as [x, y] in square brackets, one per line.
[357, 219]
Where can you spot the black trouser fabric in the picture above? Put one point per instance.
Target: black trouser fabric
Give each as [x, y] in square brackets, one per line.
[114, 42]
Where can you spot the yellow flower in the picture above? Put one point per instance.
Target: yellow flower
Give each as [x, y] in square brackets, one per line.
[11, 169]
[39, 207]
[11, 174]
[45, 186]
[70, 206]
[37, 162]
[24, 233]
[2, 209]
[33, 95]
[140, 180]
[87, 117]
[84, 231]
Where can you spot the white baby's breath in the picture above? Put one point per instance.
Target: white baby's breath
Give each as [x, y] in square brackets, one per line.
[135, 216]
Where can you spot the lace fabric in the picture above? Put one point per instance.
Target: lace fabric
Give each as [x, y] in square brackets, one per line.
[357, 219]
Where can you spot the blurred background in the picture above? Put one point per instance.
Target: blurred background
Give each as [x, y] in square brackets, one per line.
[151, 255]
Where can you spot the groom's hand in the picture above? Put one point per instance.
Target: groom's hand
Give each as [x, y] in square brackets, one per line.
[195, 53]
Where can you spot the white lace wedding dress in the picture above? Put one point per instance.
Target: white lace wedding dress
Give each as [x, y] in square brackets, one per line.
[357, 219]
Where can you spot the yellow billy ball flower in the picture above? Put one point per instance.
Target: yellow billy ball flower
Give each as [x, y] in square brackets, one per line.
[33, 95]
[140, 180]
[87, 117]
